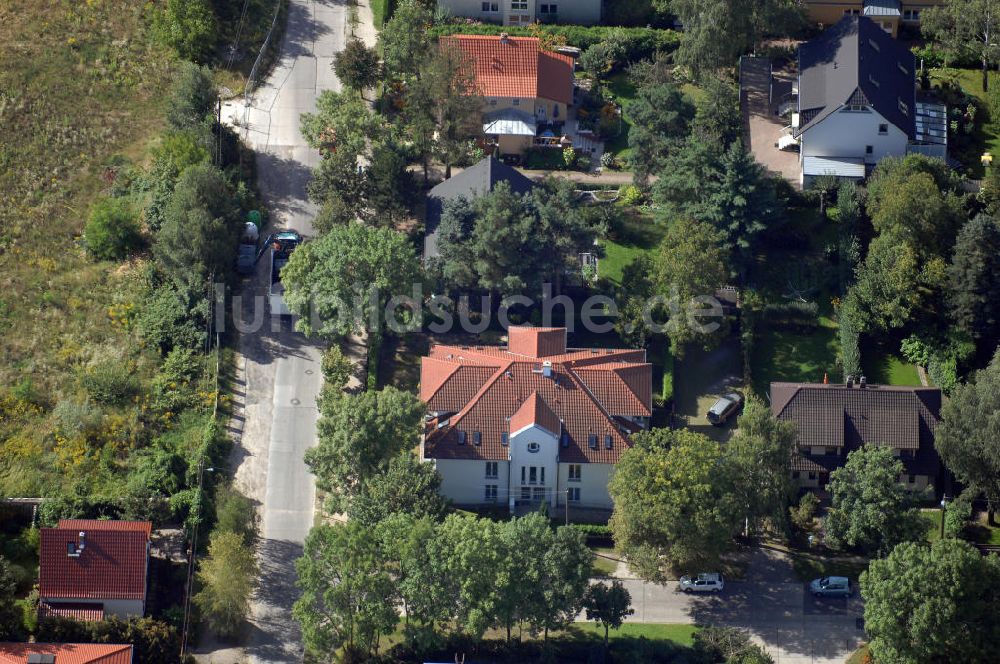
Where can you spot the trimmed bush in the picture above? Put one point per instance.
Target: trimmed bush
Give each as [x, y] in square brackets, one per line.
[629, 194]
[639, 43]
[112, 230]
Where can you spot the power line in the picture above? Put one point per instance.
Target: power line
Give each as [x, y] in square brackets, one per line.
[239, 33]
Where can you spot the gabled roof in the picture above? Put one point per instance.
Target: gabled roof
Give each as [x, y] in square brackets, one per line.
[516, 67]
[65, 653]
[583, 392]
[107, 524]
[855, 61]
[842, 416]
[534, 411]
[473, 182]
[112, 564]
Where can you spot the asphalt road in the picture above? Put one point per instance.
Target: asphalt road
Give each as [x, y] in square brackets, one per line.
[776, 608]
[280, 369]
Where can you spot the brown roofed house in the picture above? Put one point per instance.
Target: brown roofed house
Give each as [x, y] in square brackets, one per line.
[65, 653]
[526, 90]
[534, 421]
[91, 569]
[834, 420]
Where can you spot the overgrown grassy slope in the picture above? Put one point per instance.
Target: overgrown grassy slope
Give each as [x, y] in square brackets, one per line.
[80, 86]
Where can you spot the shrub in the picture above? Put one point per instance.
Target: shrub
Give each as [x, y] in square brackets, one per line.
[166, 322]
[569, 157]
[189, 27]
[608, 160]
[629, 194]
[802, 515]
[604, 57]
[112, 230]
[337, 368]
[192, 98]
[957, 514]
[235, 513]
[77, 419]
[171, 388]
[110, 381]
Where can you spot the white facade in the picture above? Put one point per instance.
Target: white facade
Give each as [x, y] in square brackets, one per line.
[854, 134]
[523, 12]
[473, 482]
[534, 458]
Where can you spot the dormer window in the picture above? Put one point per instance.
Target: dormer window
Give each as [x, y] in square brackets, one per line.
[477, 437]
[461, 438]
[503, 438]
[607, 441]
[592, 441]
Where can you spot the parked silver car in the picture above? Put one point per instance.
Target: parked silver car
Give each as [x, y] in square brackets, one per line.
[727, 406]
[831, 586]
[706, 582]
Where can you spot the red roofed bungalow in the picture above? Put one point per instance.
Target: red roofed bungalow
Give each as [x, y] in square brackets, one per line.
[533, 422]
[91, 569]
[64, 653]
[526, 90]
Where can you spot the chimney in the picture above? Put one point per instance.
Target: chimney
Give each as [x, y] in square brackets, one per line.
[850, 380]
[504, 38]
[547, 369]
[863, 382]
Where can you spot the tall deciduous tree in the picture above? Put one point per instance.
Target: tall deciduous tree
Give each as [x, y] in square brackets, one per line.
[690, 264]
[871, 509]
[717, 32]
[228, 576]
[974, 280]
[968, 437]
[674, 505]
[340, 283]
[966, 28]
[406, 485]
[357, 66]
[761, 456]
[608, 606]
[403, 40]
[348, 594]
[358, 436]
[929, 605]
[912, 209]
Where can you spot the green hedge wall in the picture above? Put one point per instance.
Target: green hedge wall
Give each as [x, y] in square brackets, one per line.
[641, 43]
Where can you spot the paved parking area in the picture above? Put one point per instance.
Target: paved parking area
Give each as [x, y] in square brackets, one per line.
[776, 608]
[700, 378]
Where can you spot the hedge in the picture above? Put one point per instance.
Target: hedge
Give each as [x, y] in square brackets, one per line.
[641, 43]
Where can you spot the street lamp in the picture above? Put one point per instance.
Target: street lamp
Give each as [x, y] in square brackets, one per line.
[944, 503]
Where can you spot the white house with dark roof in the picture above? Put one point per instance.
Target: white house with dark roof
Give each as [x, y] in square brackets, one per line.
[857, 103]
[534, 421]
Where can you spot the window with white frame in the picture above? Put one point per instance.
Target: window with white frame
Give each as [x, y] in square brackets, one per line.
[517, 5]
[852, 12]
[573, 494]
[911, 15]
[533, 475]
[490, 493]
[548, 9]
[574, 472]
[491, 469]
[525, 493]
[515, 102]
[491, 6]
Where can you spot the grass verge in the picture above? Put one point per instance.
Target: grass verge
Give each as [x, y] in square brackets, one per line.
[809, 566]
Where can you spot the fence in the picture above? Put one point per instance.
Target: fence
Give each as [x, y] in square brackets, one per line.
[254, 78]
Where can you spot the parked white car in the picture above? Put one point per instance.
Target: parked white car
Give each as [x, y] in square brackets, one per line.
[706, 582]
[831, 586]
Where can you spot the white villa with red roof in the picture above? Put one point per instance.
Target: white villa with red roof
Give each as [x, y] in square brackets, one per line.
[90, 569]
[533, 422]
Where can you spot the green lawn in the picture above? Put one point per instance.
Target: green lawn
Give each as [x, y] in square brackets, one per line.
[622, 91]
[679, 634]
[789, 356]
[971, 81]
[605, 561]
[933, 523]
[809, 566]
[979, 532]
[639, 234]
[889, 369]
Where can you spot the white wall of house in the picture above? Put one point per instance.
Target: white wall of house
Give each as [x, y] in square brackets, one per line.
[464, 481]
[534, 454]
[514, 12]
[122, 608]
[592, 485]
[848, 133]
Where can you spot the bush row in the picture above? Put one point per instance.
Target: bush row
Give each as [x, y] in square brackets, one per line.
[640, 43]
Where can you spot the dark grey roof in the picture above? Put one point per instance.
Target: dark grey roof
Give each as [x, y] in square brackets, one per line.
[471, 183]
[881, 8]
[856, 60]
[849, 417]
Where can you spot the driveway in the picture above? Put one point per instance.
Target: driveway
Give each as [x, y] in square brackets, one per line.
[792, 625]
[279, 369]
[700, 378]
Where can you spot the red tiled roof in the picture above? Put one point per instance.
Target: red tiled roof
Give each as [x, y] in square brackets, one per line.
[516, 67]
[587, 389]
[67, 653]
[76, 610]
[533, 411]
[107, 524]
[112, 564]
[536, 341]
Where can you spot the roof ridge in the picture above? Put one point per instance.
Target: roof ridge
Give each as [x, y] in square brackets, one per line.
[457, 417]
